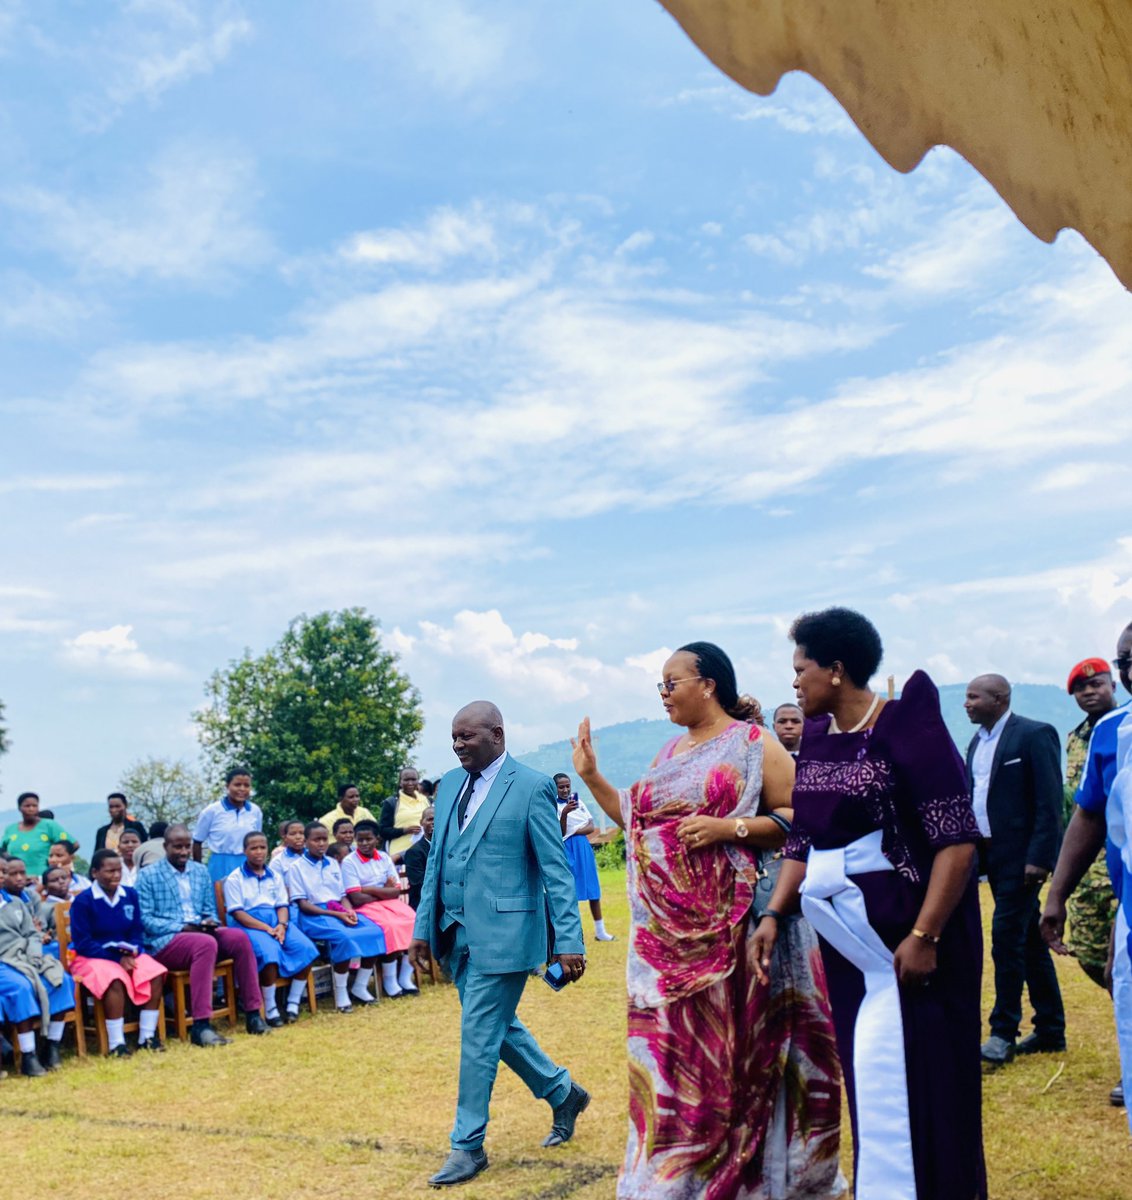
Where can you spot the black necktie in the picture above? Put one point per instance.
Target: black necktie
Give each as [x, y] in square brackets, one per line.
[465, 799]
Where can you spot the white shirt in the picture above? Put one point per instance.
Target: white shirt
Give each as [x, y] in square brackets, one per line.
[981, 762]
[319, 882]
[358, 872]
[99, 894]
[579, 817]
[221, 825]
[185, 887]
[481, 788]
[247, 890]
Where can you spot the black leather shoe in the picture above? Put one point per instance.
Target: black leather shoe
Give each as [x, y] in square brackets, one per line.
[289, 1017]
[207, 1036]
[254, 1023]
[31, 1066]
[566, 1115]
[122, 1051]
[52, 1057]
[153, 1045]
[1116, 1096]
[275, 1022]
[345, 1009]
[997, 1052]
[1039, 1043]
[461, 1166]
[362, 1001]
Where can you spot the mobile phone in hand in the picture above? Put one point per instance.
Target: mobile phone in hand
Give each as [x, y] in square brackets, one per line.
[555, 977]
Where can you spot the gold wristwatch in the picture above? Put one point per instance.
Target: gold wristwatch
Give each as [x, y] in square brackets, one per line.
[741, 829]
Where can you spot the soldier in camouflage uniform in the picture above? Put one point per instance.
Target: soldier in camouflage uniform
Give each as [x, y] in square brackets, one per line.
[1091, 909]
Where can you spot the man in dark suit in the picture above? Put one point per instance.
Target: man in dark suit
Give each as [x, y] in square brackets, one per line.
[1014, 770]
[416, 857]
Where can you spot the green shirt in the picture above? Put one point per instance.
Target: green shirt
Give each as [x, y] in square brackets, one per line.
[33, 845]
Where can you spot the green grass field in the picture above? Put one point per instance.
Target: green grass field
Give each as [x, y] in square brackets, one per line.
[361, 1106]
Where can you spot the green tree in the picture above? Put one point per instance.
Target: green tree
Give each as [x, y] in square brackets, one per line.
[325, 705]
[161, 789]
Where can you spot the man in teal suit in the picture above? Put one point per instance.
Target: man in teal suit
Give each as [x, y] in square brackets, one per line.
[496, 874]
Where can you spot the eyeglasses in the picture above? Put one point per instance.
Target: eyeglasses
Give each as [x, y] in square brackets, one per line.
[667, 686]
[1123, 662]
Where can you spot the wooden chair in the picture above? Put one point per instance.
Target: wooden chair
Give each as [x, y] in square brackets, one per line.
[222, 912]
[62, 920]
[97, 1026]
[177, 983]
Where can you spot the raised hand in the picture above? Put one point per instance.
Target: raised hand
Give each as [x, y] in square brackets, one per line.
[585, 757]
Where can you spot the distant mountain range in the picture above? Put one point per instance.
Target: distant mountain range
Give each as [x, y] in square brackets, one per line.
[625, 750]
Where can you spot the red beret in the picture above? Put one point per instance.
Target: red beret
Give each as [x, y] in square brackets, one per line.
[1086, 670]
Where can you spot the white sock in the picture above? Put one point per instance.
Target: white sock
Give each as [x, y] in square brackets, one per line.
[270, 1001]
[361, 983]
[115, 1033]
[55, 1031]
[405, 975]
[147, 1024]
[389, 984]
[295, 994]
[600, 932]
[27, 1042]
[341, 995]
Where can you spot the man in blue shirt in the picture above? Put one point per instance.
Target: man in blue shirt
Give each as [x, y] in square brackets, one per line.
[1087, 828]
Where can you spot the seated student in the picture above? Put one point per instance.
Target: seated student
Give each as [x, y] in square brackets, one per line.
[128, 845]
[416, 857]
[183, 932]
[35, 991]
[293, 840]
[373, 887]
[314, 882]
[62, 854]
[55, 887]
[257, 902]
[107, 936]
[152, 850]
[337, 851]
[343, 833]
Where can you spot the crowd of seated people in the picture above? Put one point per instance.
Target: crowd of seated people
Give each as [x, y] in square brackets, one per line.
[153, 903]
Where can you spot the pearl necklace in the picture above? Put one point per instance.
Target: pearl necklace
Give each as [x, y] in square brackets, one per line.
[835, 728]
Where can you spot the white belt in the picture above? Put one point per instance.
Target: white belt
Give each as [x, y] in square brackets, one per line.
[835, 907]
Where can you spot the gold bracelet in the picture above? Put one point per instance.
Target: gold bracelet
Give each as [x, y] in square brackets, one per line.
[926, 937]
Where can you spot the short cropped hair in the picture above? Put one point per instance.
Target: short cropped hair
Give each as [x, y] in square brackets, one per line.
[840, 635]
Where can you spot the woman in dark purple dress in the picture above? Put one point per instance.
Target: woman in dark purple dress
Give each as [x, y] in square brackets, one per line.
[882, 853]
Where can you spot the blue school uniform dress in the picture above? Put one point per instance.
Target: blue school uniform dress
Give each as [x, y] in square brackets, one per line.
[320, 882]
[260, 896]
[19, 1000]
[580, 854]
[222, 827]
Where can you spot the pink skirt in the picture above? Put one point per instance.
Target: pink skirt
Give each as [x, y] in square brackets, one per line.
[396, 919]
[97, 974]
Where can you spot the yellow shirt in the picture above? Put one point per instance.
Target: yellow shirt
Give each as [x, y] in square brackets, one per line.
[410, 810]
[361, 813]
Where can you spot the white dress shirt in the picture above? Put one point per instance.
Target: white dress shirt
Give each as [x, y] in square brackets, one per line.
[481, 788]
[579, 817]
[981, 762]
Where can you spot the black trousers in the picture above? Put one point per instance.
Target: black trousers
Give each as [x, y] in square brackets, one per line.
[1022, 958]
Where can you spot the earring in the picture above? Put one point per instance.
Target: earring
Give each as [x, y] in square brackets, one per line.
[836, 681]
[706, 695]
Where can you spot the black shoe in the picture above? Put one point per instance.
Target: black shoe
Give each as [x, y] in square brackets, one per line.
[31, 1066]
[997, 1051]
[461, 1166]
[289, 1017]
[122, 1051]
[362, 1001]
[153, 1045]
[52, 1057]
[566, 1114]
[1116, 1096]
[275, 1022]
[1040, 1043]
[207, 1036]
[254, 1023]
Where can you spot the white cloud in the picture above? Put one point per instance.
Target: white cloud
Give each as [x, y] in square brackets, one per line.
[188, 218]
[447, 234]
[115, 651]
[61, 483]
[31, 308]
[798, 105]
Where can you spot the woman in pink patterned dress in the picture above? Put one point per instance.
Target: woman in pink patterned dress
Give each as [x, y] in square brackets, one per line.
[734, 1086]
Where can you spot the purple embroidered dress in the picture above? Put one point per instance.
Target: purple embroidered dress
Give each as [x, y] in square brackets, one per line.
[905, 777]
[734, 1087]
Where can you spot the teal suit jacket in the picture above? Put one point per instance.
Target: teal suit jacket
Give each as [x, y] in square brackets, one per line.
[514, 870]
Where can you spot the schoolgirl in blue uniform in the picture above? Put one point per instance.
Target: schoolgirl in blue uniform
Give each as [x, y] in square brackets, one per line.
[256, 900]
[314, 882]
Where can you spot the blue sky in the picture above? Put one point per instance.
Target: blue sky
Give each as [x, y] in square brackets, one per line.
[520, 325]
